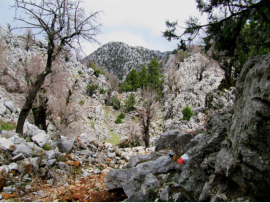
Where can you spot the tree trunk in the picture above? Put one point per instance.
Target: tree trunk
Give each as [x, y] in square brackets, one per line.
[29, 101]
[30, 98]
[39, 113]
[147, 136]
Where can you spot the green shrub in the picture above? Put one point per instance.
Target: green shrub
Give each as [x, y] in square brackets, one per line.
[130, 102]
[81, 102]
[46, 147]
[6, 126]
[102, 91]
[118, 120]
[121, 115]
[91, 88]
[116, 103]
[80, 72]
[187, 113]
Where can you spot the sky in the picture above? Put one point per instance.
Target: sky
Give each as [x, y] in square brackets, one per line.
[136, 23]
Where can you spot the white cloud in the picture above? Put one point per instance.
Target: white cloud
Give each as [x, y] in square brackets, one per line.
[147, 13]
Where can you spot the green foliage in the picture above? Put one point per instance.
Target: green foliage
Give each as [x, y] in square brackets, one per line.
[230, 39]
[187, 113]
[132, 81]
[154, 77]
[91, 88]
[46, 147]
[116, 103]
[62, 158]
[81, 102]
[143, 77]
[118, 120]
[97, 70]
[115, 139]
[130, 102]
[120, 77]
[6, 126]
[91, 64]
[174, 51]
[102, 91]
[121, 115]
[79, 72]
[99, 167]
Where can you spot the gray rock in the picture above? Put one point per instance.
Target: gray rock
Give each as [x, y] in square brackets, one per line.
[175, 140]
[178, 197]
[13, 166]
[1, 196]
[35, 163]
[3, 109]
[51, 162]
[164, 195]
[161, 165]
[117, 178]
[36, 149]
[41, 139]
[25, 166]
[163, 178]
[132, 185]
[66, 145]
[151, 181]
[26, 178]
[50, 154]
[134, 160]
[17, 140]
[97, 171]
[27, 188]
[10, 106]
[141, 196]
[93, 147]
[64, 166]
[7, 144]
[100, 161]
[43, 162]
[21, 148]
[111, 154]
[9, 189]
[7, 134]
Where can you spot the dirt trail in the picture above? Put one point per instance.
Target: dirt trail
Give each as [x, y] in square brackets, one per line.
[89, 189]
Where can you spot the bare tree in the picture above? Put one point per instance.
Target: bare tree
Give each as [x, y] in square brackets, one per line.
[204, 62]
[148, 112]
[64, 23]
[173, 78]
[28, 39]
[112, 79]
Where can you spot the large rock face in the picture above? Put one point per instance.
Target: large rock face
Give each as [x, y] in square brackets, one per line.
[237, 168]
[244, 159]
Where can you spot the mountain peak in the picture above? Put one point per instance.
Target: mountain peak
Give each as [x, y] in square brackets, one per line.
[120, 58]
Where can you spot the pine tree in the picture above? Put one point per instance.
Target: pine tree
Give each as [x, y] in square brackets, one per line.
[154, 77]
[130, 102]
[240, 30]
[143, 77]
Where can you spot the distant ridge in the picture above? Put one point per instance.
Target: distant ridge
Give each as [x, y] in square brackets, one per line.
[120, 58]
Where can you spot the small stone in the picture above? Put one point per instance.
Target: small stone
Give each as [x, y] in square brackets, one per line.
[164, 195]
[97, 171]
[18, 157]
[27, 188]
[52, 162]
[13, 166]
